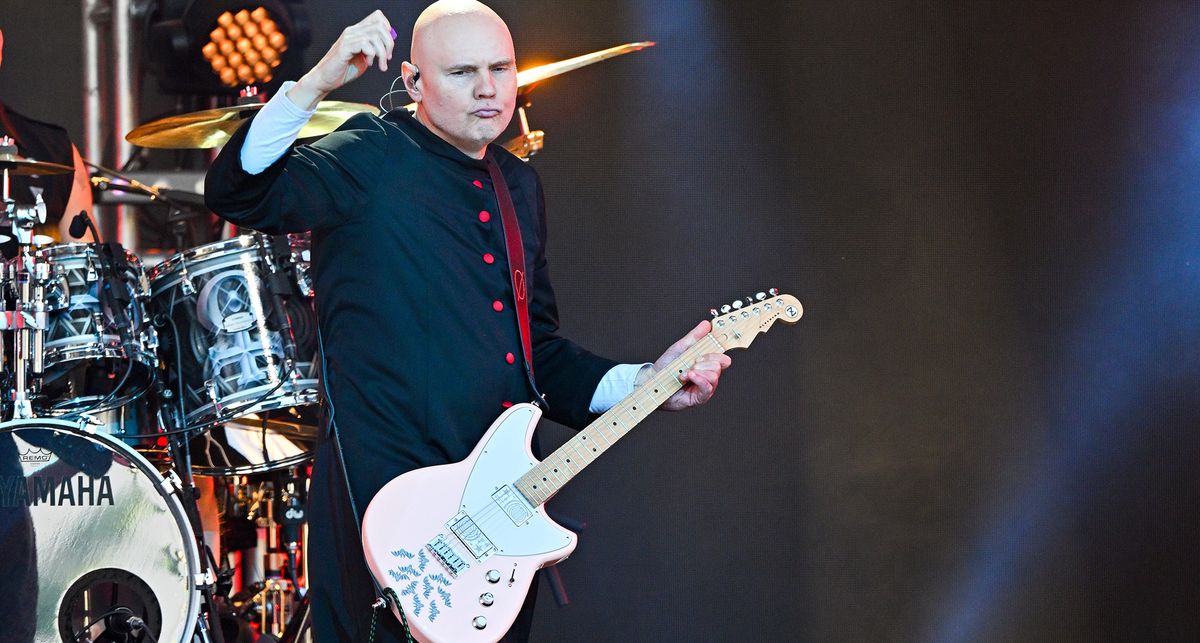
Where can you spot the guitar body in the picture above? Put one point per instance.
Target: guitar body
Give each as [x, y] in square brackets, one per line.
[458, 544]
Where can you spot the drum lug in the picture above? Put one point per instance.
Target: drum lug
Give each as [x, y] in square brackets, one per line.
[92, 275]
[204, 580]
[171, 483]
[88, 424]
[185, 281]
[210, 385]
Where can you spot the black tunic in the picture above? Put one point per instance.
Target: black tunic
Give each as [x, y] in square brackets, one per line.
[44, 142]
[410, 267]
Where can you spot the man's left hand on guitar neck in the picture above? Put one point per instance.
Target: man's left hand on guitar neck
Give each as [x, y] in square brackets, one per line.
[700, 382]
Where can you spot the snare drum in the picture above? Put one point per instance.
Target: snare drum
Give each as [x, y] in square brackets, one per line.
[90, 525]
[240, 337]
[89, 346]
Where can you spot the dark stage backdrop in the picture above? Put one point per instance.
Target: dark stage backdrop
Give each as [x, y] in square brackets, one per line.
[984, 427]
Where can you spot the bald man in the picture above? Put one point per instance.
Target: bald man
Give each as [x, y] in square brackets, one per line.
[415, 301]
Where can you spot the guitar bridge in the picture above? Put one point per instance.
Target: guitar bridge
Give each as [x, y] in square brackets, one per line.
[445, 555]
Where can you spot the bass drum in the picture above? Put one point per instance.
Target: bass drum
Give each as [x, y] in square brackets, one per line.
[87, 525]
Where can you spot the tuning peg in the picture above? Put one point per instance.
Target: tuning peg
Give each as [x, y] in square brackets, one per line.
[726, 308]
[760, 296]
[749, 301]
[737, 303]
[773, 291]
[713, 312]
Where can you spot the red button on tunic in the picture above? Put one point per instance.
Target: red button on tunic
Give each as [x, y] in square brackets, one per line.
[477, 183]
[488, 258]
[484, 216]
[506, 404]
[510, 358]
[498, 306]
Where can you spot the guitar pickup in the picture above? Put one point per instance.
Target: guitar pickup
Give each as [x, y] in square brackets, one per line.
[471, 536]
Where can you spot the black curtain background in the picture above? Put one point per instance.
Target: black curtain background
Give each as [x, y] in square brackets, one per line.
[984, 428]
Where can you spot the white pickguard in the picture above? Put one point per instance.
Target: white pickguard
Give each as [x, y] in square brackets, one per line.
[504, 458]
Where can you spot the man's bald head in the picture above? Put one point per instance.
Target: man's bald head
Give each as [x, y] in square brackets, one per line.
[467, 86]
[443, 9]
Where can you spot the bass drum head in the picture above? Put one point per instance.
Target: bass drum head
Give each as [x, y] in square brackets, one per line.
[90, 528]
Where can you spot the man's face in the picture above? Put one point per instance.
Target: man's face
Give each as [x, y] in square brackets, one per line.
[468, 83]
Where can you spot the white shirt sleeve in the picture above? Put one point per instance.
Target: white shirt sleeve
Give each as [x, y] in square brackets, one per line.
[273, 131]
[616, 384]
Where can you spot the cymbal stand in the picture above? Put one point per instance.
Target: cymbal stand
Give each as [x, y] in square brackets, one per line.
[208, 630]
[31, 274]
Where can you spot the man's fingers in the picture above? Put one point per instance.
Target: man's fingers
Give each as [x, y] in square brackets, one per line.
[388, 38]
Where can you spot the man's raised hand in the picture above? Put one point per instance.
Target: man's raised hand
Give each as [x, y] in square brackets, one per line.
[361, 45]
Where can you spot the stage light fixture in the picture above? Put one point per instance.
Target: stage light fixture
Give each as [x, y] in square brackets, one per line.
[219, 46]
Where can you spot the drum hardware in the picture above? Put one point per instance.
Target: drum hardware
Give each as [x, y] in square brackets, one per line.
[180, 448]
[31, 275]
[183, 206]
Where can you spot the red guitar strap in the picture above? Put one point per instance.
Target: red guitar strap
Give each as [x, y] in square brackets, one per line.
[516, 258]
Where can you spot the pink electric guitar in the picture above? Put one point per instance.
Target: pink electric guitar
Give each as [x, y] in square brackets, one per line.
[459, 543]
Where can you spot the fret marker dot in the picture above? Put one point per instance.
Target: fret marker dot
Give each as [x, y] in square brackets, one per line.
[556, 471]
[568, 459]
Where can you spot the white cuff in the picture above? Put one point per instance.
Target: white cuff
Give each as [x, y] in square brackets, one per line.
[273, 131]
[615, 386]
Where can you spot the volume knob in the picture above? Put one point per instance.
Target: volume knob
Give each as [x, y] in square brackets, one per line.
[479, 622]
[486, 599]
[493, 576]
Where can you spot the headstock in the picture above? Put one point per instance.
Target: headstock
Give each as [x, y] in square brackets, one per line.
[736, 324]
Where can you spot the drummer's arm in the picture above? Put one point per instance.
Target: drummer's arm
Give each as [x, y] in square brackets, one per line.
[80, 199]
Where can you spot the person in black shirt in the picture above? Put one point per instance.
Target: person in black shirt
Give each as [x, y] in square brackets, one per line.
[65, 194]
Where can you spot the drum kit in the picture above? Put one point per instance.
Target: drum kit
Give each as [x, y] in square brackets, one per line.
[126, 384]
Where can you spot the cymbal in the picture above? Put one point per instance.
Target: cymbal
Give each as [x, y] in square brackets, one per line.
[527, 78]
[18, 166]
[213, 127]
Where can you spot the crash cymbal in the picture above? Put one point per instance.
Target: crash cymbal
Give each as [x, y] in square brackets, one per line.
[213, 127]
[18, 166]
[528, 78]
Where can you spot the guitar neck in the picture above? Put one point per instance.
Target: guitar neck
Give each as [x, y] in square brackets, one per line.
[547, 477]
